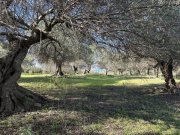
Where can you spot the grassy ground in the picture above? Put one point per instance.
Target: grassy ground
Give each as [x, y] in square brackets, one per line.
[97, 105]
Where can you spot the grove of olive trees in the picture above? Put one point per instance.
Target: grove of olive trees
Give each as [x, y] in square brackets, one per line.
[150, 29]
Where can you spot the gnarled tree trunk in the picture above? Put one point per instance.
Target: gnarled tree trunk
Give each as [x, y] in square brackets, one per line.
[59, 71]
[148, 71]
[167, 71]
[87, 71]
[12, 96]
[75, 69]
[107, 71]
[130, 72]
[157, 72]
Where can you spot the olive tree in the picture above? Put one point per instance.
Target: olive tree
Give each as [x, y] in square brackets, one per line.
[21, 27]
[149, 28]
[87, 56]
[66, 49]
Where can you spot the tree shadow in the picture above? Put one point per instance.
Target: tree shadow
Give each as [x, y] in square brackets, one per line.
[36, 79]
[134, 103]
[98, 103]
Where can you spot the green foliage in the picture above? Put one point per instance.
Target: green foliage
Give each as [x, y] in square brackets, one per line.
[28, 61]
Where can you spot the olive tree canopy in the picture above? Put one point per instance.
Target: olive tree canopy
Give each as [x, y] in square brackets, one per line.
[149, 28]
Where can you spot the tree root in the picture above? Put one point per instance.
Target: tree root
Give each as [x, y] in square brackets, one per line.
[19, 99]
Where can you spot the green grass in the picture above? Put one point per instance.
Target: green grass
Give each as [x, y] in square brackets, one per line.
[96, 105]
[46, 82]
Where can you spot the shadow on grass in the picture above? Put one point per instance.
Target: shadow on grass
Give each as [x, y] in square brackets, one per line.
[126, 102]
[36, 79]
[99, 102]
